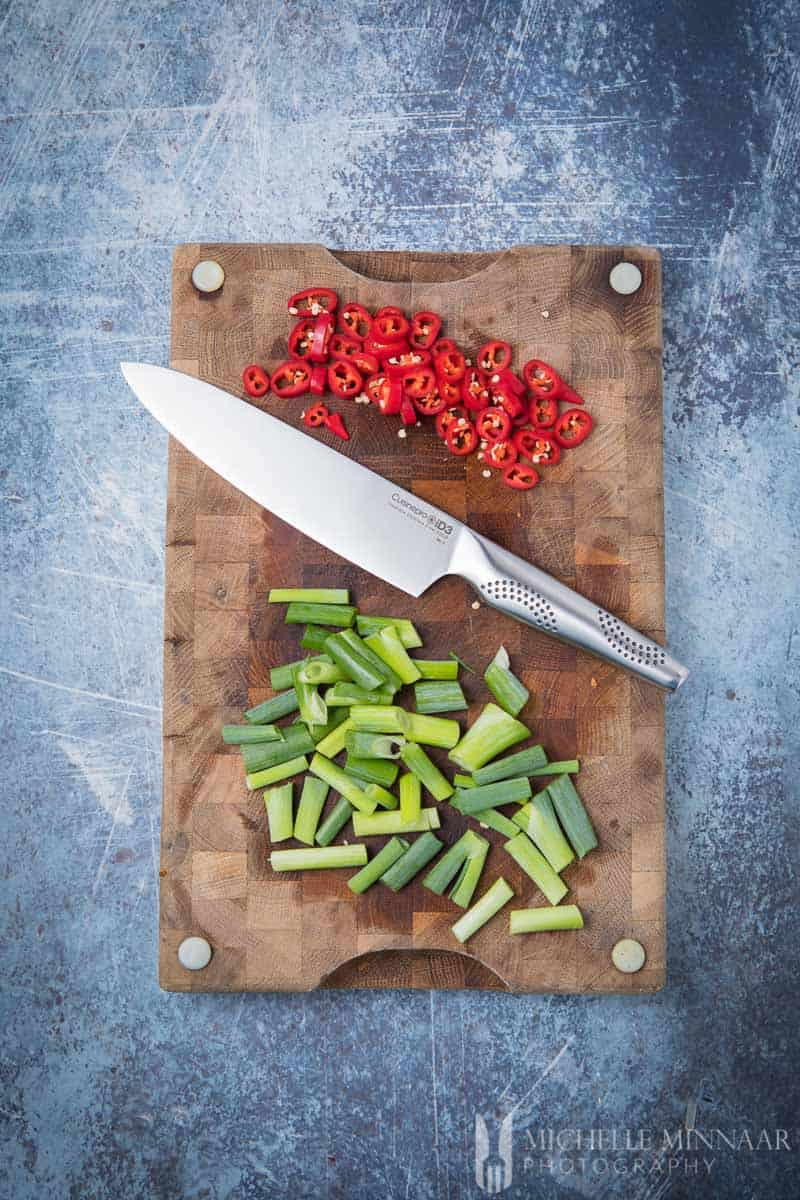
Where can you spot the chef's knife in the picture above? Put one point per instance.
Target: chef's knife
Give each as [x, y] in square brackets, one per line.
[380, 527]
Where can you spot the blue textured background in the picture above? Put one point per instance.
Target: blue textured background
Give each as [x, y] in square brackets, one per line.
[127, 127]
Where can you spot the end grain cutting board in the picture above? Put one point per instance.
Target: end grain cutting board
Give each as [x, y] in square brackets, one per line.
[595, 522]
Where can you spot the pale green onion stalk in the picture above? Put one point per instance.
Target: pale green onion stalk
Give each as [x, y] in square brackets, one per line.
[539, 821]
[489, 904]
[493, 732]
[334, 742]
[313, 709]
[318, 858]
[271, 775]
[309, 595]
[536, 866]
[429, 775]
[309, 810]
[377, 866]
[572, 815]
[437, 668]
[509, 692]
[541, 920]
[388, 646]
[405, 630]
[410, 798]
[278, 803]
[341, 782]
[386, 824]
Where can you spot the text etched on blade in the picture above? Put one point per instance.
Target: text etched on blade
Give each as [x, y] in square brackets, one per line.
[430, 521]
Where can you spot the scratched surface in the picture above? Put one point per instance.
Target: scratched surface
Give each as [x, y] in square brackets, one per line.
[125, 128]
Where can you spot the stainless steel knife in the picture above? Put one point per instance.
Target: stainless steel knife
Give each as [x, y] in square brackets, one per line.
[380, 527]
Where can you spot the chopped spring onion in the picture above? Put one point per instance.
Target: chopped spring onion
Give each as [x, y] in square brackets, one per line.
[373, 745]
[432, 731]
[489, 904]
[318, 858]
[569, 766]
[309, 810]
[381, 718]
[463, 781]
[437, 668]
[274, 709]
[539, 920]
[493, 732]
[300, 613]
[341, 782]
[390, 718]
[283, 676]
[360, 647]
[490, 818]
[354, 665]
[509, 692]
[372, 770]
[534, 864]
[278, 803]
[426, 771]
[572, 815]
[539, 821]
[378, 865]
[314, 638]
[386, 824]
[469, 877]
[405, 630]
[309, 595]
[275, 774]
[268, 754]
[507, 791]
[417, 856]
[313, 709]
[333, 742]
[439, 695]
[381, 796]
[240, 735]
[410, 797]
[449, 865]
[335, 718]
[524, 762]
[387, 646]
[334, 823]
[318, 670]
[344, 694]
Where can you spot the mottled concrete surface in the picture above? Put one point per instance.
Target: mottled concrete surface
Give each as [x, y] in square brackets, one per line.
[127, 127]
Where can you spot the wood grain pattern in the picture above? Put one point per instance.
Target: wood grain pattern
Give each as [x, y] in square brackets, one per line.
[596, 522]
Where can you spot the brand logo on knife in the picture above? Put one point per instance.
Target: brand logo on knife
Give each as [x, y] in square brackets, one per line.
[422, 516]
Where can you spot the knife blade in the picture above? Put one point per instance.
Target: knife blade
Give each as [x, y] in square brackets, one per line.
[378, 526]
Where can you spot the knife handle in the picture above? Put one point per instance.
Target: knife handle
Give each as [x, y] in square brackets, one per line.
[520, 590]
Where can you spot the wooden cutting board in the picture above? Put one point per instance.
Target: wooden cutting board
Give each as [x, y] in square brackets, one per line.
[595, 522]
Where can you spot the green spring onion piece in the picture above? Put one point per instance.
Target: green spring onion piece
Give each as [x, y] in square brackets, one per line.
[507, 791]
[492, 819]
[534, 864]
[371, 770]
[240, 735]
[509, 692]
[417, 856]
[274, 709]
[377, 866]
[539, 920]
[354, 665]
[318, 858]
[262, 755]
[360, 647]
[524, 762]
[405, 630]
[283, 676]
[410, 798]
[309, 596]
[373, 745]
[460, 663]
[341, 782]
[380, 718]
[463, 781]
[569, 766]
[298, 613]
[493, 732]
[386, 824]
[437, 668]
[381, 796]
[439, 695]
[275, 774]
[432, 731]
[449, 865]
[333, 742]
[426, 771]
[539, 821]
[314, 638]
[278, 803]
[572, 815]
[387, 646]
[489, 904]
[335, 821]
[313, 708]
[335, 718]
[345, 693]
[309, 810]
[318, 670]
[468, 879]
